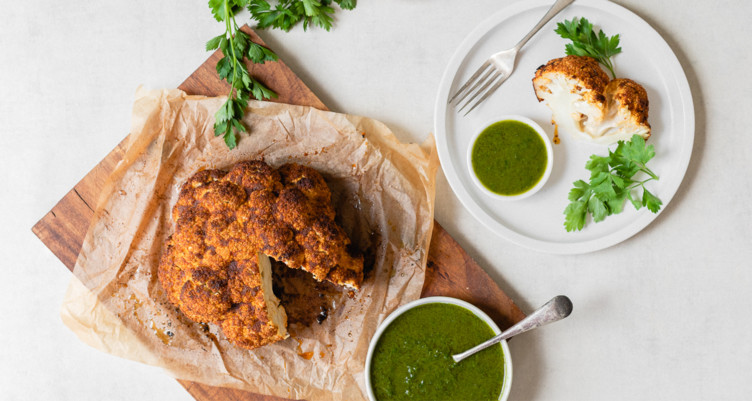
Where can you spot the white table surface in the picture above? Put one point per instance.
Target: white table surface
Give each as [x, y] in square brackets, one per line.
[662, 316]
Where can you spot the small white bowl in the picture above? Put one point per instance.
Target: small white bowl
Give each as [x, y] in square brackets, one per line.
[549, 160]
[507, 381]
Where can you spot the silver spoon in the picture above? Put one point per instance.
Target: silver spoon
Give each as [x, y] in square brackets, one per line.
[554, 310]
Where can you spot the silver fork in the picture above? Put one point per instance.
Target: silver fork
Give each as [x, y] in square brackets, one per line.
[499, 66]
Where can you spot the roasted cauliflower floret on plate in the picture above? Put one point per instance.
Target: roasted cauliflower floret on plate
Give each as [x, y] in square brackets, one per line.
[585, 104]
[628, 110]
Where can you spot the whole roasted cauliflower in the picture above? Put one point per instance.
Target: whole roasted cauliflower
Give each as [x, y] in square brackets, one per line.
[216, 267]
[587, 105]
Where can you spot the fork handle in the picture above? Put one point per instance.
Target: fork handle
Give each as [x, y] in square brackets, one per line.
[555, 9]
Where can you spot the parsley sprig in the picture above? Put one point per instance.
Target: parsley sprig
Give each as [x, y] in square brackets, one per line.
[585, 42]
[612, 181]
[287, 13]
[235, 45]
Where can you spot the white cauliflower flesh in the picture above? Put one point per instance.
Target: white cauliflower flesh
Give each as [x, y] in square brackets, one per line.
[586, 105]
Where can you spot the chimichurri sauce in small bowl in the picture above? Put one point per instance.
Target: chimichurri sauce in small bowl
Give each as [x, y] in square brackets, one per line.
[510, 158]
[411, 355]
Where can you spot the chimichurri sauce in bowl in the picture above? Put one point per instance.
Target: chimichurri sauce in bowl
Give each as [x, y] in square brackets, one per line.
[413, 357]
[510, 158]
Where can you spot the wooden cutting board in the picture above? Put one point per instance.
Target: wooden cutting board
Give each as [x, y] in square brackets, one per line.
[450, 271]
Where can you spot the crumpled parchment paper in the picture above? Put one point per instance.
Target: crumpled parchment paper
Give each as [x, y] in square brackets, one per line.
[383, 191]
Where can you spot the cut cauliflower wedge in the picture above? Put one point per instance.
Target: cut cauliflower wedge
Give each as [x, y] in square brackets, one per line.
[586, 105]
[261, 321]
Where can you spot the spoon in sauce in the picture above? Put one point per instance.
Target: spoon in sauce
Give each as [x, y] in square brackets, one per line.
[554, 310]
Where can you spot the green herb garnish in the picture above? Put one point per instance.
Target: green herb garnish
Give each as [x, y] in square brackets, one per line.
[235, 45]
[611, 183]
[286, 13]
[585, 42]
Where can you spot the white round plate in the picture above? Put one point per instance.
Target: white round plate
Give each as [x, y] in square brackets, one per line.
[538, 221]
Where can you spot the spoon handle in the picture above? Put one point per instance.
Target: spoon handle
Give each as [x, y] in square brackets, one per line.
[554, 310]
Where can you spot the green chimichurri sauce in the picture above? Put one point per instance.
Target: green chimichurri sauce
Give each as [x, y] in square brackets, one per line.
[509, 157]
[413, 358]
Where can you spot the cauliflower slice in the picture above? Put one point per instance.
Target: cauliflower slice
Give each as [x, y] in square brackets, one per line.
[627, 111]
[586, 105]
[261, 320]
[275, 311]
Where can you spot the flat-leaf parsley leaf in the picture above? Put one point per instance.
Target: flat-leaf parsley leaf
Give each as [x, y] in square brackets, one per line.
[612, 181]
[585, 42]
[236, 45]
[284, 14]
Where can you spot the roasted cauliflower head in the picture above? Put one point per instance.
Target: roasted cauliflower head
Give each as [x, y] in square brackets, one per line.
[587, 105]
[215, 266]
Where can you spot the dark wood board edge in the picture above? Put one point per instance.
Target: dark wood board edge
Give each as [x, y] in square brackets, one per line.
[64, 227]
[466, 280]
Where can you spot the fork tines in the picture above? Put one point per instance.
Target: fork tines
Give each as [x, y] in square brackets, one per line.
[482, 83]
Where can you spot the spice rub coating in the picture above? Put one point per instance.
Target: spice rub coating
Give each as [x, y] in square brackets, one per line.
[215, 267]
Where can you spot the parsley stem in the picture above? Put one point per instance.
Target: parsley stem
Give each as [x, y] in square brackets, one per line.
[228, 29]
[649, 172]
[607, 63]
[639, 184]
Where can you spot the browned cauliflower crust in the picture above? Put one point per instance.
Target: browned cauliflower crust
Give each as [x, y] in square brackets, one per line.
[631, 99]
[215, 266]
[587, 105]
[585, 70]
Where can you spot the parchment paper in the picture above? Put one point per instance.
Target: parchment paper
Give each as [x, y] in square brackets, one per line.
[384, 194]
